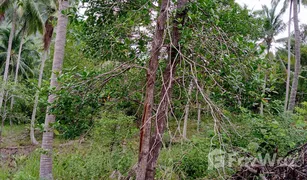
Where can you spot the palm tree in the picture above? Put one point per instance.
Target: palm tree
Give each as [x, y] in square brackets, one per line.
[50, 9]
[31, 23]
[297, 54]
[28, 57]
[273, 25]
[47, 40]
[289, 58]
[47, 142]
[5, 5]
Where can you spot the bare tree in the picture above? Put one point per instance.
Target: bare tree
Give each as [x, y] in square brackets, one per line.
[166, 91]
[186, 111]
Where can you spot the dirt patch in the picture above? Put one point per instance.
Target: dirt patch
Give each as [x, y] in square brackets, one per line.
[8, 155]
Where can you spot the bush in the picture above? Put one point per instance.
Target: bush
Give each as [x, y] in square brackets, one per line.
[114, 128]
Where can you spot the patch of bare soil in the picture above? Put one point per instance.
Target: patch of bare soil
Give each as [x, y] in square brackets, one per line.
[8, 154]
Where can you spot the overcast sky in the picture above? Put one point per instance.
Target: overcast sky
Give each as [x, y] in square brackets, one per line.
[257, 5]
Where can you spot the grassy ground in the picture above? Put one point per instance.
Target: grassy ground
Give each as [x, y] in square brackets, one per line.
[14, 136]
[92, 159]
[17, 152]
[105, 154]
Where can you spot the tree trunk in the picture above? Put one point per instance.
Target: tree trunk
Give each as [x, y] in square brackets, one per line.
[166, 91]
[198, 112]
[265, 79]
[16, 71]
[145, 129]
[47, 40]
[3, 117]
[8, 57]
[289, 59]
[47, 142]
[41, 72]
[297, 58]
[263, 92]
[186, 112]
[198, 116]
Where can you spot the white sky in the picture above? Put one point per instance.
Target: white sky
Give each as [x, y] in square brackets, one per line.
[257, 5]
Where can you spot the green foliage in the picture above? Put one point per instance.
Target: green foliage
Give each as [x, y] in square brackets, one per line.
[113, 129]
[94, 162]
[29, 54]
[301, 116]
[273, 133]
[78, 101]
[195, 162]
[103, 101]
[109, 36]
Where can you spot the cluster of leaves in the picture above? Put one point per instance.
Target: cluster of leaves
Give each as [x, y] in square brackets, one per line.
[113, 29]
[77, 102]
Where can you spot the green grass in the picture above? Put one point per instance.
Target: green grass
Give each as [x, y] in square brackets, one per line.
[16, 135]
[179, 159]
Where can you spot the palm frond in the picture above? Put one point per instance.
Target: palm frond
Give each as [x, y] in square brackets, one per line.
[32, 18]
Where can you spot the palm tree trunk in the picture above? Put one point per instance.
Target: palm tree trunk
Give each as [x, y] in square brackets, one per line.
[47, 142]
[41, 72]
[289, 59]
[265, 79]
[297, 58]
[263, 92]
[47, 40]
[186, 112]
[8, 57]
[145, 130]
[3, 116]
[16, 72]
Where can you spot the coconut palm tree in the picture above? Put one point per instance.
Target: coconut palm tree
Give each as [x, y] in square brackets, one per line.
[297, 54]
[8, 5]
[273, 25]
[289, 58]
[28, 56]
[50, 9]
[47, 142]
[32, 22]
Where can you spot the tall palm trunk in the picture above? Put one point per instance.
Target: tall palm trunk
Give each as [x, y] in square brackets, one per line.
[47, 142]
[166, 93]
[32, 134]
[4, 113]
[297, 58]
[186, 111]
[265, 79]
[289, 59]
[17, 69]
[145, 130]
[8, 57]
[47, 41]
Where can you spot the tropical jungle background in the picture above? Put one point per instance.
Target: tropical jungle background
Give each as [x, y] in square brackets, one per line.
[146, 89]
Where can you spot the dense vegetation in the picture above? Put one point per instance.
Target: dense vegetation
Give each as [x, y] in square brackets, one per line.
[149, 89]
